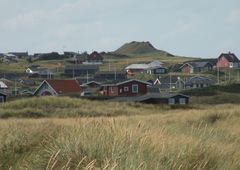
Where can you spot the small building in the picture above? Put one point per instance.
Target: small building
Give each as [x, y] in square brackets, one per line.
[127, 88]
[154, 67]
[27, 82]
[3, 85]
[196, 67]
[94, 58]
[110, 76]
[170, 99]
[137, 68]
[199, 82]
[170, 82]
[93, 87]
[20, 54]
[158, 70]
[80, 69]
[3, 97]
[8, 58]
[36, 72]
[228, 60]
[58, 87]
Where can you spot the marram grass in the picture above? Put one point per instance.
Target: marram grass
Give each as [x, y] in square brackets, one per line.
[147, 137]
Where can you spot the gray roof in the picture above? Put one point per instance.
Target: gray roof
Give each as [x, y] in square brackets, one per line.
[199, 80]
[231, 57]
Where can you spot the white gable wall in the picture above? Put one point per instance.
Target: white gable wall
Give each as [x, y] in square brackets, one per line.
[45, 89]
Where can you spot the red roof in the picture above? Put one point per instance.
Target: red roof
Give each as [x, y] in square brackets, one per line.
[64, 86]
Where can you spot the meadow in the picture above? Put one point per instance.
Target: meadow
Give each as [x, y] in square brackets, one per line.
[71, 133]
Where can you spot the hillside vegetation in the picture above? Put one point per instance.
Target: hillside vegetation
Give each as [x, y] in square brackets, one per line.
[72, 107]
[151, 138]
[140, 48]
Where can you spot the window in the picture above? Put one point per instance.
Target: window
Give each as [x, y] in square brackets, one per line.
[135, 88]
[171, 101]
[182, 101]
[111, 90]
[126, 89]
[160, 70]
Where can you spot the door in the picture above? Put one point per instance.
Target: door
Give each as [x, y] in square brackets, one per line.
[1, 99]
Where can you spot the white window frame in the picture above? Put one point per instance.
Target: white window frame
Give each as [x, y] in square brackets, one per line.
[171, 101]
[126, 89]
[133, 86]
[111, 90]
[182, 101]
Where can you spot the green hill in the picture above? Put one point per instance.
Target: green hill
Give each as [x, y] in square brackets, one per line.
[136, 48]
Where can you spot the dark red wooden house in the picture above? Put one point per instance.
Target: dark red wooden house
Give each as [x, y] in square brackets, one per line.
[127, 88]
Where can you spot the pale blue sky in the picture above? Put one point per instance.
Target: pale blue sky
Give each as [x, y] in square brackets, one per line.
[201, 28]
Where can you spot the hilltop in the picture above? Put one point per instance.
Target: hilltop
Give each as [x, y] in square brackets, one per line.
[136, 48]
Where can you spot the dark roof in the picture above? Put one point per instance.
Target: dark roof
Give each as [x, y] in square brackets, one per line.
[167, 79]
[231, 57]
[199, 80]
[64, 86]
[176, 67]
[91, 82]
[212, 61]
[3, 94]
[200, 64]
[196, 64]
[81, 67]
[110, 72]
[19, 54]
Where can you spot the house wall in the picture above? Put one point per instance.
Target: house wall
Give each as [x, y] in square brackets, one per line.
[178, 97]
[136, 70]
[45, 90]
[160, 71]
[3, 98]
[166, 100]
[110, 91]
[142, 89]
[203, 69]
[187, 69]
[223, 63]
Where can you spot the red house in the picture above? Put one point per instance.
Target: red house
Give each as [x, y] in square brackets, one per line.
[58, 87]
[187, 68]
[126, 88]
[228, 60]
[95, 57]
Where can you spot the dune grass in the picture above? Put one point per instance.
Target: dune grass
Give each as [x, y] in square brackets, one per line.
[127, 136]
[178, 139]
[72, 107]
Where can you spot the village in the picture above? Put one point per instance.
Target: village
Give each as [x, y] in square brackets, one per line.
[83, 75]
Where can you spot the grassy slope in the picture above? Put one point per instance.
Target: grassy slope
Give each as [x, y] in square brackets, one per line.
[121, 63]
[222, 94]
[138, 48]
[206, 137]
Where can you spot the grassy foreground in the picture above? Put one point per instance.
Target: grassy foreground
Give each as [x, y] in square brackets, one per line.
[151, 138]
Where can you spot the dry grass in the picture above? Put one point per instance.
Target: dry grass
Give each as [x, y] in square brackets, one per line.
[203, 138]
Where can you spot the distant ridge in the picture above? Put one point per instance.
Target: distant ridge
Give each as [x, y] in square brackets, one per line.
[135, 47]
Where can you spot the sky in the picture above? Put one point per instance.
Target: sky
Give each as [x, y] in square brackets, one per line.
[196, 28]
